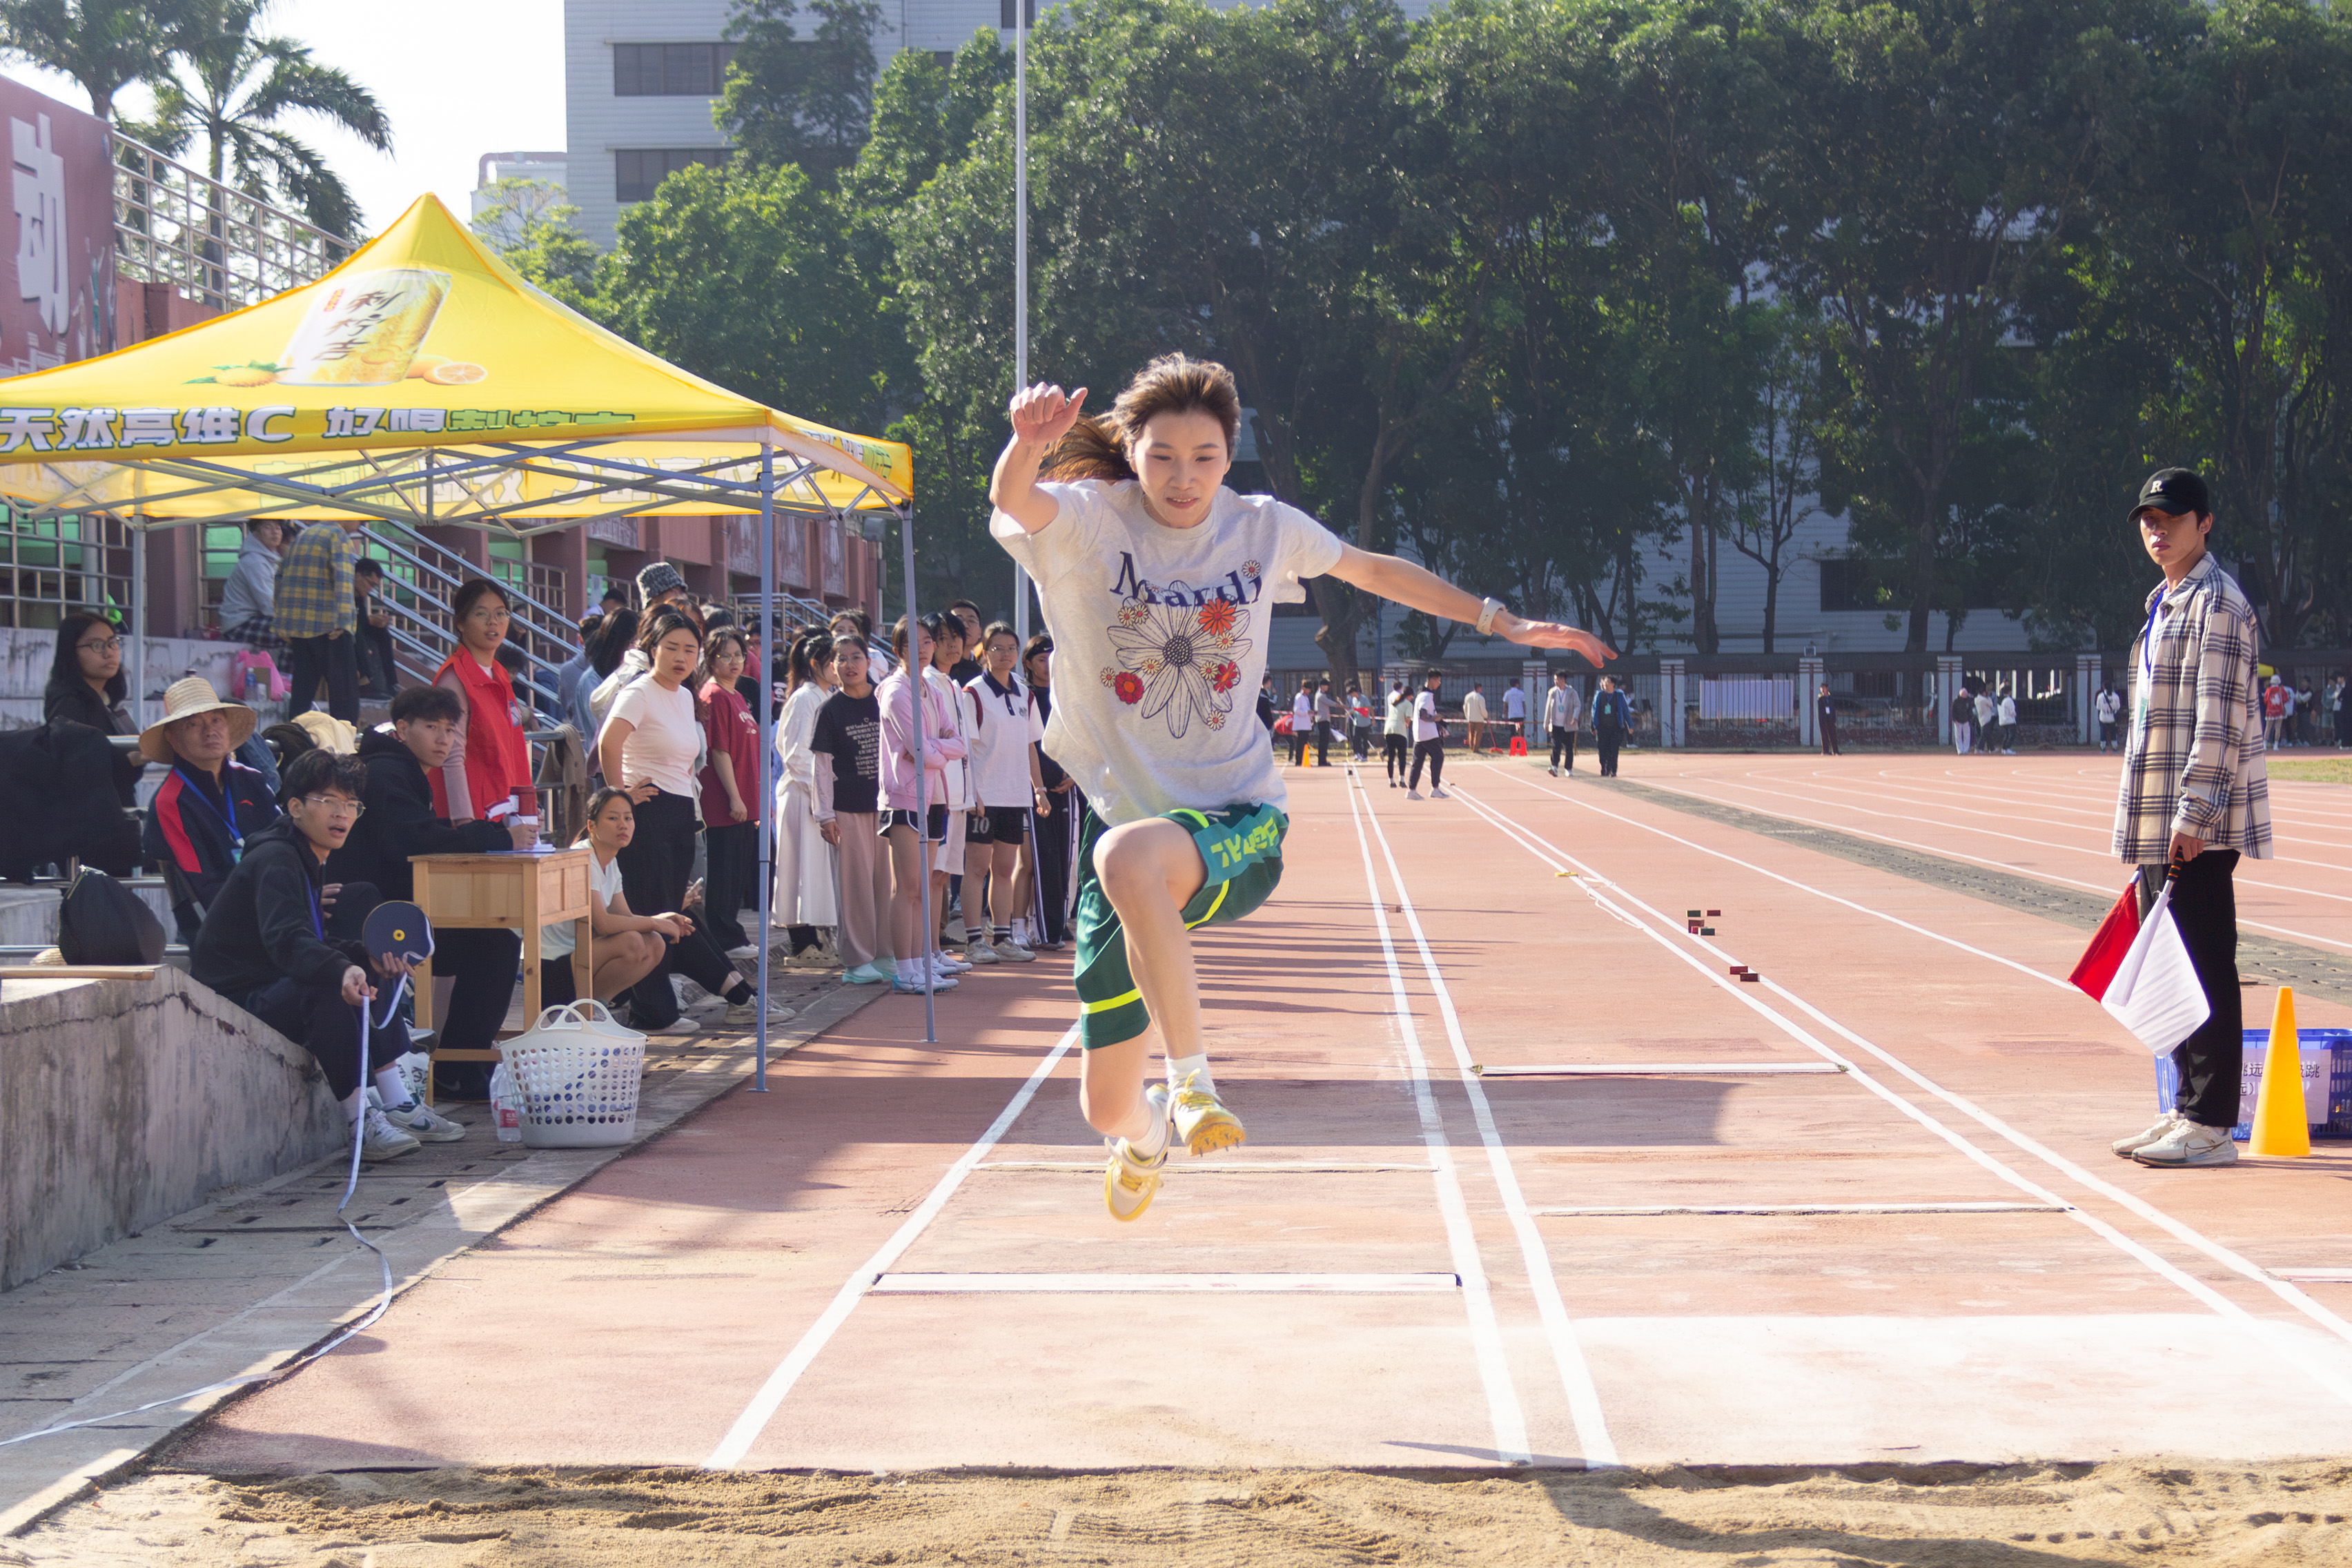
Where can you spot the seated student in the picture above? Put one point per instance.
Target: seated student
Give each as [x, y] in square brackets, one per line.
[399, 823]
[628, 947]
[265, 947]
[209, 802]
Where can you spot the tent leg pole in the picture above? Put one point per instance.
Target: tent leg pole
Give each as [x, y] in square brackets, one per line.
[915, 679]
[766, 802]
[139, 627]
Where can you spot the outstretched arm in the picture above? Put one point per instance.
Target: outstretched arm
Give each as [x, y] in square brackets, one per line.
[1423, 590]
[1042, 414]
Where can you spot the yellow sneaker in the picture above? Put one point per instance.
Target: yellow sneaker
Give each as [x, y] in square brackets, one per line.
[1130, 1182]
[1203, 1123]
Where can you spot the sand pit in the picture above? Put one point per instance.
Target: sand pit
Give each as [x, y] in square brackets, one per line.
[1928, 1516]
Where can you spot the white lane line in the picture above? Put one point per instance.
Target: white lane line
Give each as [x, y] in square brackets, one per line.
[1137, 1284]
[1510, 1421]
[770, 1396]
[2283, 1289]
[1622, 1211]
[2033, 798]
[1642, 1069]
[1598, 1450]
[2317, 1276]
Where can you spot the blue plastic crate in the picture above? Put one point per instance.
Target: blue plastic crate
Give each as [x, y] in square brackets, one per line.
[2331, 1111]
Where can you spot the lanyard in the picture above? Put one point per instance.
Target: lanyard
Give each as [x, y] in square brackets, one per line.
[227, 819]
[2147, 644]
[317, 927]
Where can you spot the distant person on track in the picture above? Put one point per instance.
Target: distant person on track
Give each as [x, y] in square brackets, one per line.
[2108, 706]
[1428, 740]
[1302, 722]
[1515, 711]
[1473, 718]
[1160, 585]
[2007, 723]
[1825, 708]
[2342, 706]
[1964, 721]
[2194, 796]
[1611, 716]
[1396, 733]
[1327, 710]
[1359, 723]
[1563, 708]
[1988, 713]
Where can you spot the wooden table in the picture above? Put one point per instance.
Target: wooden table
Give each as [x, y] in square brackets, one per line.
[517, 890]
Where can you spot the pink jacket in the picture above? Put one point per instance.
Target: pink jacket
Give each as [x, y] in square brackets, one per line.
[942, 743]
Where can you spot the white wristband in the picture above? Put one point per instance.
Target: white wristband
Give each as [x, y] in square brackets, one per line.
[1487, 610]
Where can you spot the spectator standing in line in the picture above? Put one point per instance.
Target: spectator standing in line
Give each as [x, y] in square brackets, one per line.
[1988, 714]
[1563, 708]
[608, 646]
[488, 773]
[264, 947]
[1396, 733]
[1428, 740]
[475, 964]
[87, 686]
[1302, 722]
[1964, 721]
[2194, 797]
[2108, 706]
[730, 786]
[2275, 711]
[209, 803]
[845, 745]
[1359, 723]
[1473, 718]
[1007, 786]
[948, 648]
[1057, 837]
[2342, 709]
[1825, 710]
[805, 878]
[920, 736]
[315, 610]
[660, 583]
[569, 674]
[1515, 711]
[249, 597]
[1327, 712]
[1267, 708]
[967, 666]
[1611, 716]
[2007, 723]
[2305, 723]
[379, 675]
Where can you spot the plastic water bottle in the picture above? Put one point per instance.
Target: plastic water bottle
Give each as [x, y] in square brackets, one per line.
[506, 1105]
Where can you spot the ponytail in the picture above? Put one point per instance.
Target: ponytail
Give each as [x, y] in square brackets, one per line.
[1092, 450]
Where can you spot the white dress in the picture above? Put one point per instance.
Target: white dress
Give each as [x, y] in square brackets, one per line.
[806, 873]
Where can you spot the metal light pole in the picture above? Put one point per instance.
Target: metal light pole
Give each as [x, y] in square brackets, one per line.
[1021, 260]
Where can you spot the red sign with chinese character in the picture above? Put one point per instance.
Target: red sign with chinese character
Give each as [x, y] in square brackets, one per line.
[57, 296]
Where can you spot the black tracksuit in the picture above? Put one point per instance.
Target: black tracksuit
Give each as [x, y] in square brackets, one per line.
[264, 946]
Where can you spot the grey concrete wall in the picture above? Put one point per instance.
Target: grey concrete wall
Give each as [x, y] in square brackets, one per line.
[28, 916]
[125, 1102]
[26, 655]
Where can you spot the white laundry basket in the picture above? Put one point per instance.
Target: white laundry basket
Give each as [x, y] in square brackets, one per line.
[579, 1083]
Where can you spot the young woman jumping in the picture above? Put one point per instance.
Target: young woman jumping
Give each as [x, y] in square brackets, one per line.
[1159, 586]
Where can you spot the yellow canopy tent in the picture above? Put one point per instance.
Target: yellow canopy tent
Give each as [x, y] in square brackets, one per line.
[422, 382]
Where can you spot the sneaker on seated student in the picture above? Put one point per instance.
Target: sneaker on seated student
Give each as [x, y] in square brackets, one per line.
[209, 802]
[399, 822]
[264, 947]
[627, 946]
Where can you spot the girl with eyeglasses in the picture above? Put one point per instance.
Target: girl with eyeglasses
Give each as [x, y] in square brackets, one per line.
[488, 774]
[87, 686]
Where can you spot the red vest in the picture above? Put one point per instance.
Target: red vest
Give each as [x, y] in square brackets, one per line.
[498, 759]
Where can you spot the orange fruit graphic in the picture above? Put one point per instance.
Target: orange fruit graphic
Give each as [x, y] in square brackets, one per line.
[423, 366]
[244, 375]
[457, 372]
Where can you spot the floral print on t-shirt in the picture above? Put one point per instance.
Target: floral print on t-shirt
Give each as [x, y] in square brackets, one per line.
[1178, 659]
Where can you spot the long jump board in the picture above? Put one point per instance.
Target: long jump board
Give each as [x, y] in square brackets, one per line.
[1770, 1209]
[1659, 1069]
[1137, 1284]
[2313, 1276]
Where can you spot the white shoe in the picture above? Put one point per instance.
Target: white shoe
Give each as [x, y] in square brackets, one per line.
[425, 1124]
[907, 988]
[1011, 952]
[681, 1025]
[2189, 1143]
[948, 963]
[746, 954]
[978, 951]
[2124, 1147]
[381, 1140]
[744, 1014]
[1412, 795]
[1437, 793]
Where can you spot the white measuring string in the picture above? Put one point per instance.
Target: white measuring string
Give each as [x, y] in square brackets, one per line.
[765, 1403]
[1503, 1408]
[1676, 932]
[1598, 1450]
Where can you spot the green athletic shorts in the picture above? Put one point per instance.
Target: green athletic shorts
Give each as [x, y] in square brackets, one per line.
[1241, 848]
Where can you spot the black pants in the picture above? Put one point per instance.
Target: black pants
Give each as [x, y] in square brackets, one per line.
[2205, 908]
[328, 1028]
[730, 881]
[481, 965]
[1829, 738]
[655, 869]
[1435, 750]
[333, 660]
[1394, 750]
[1563, 748]
[1054, 845]
[1608, 737]
[376, 667]
[1322, 734]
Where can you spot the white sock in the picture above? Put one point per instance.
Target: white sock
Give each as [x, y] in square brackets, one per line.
[1150, 1145]
[391, 1087]
[356, 1106]
[909, 970]
[1181, 1067]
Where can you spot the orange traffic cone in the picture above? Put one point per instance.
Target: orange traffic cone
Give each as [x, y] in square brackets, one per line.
[2281, 1125]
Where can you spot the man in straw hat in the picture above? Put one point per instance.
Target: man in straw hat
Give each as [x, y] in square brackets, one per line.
[209, 803]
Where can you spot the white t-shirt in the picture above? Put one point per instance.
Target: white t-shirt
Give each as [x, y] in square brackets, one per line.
[1000, 743]
[557, 939]
[1160, 637]
[1426, 725]
[666, 742]
[1515, 704]
[1400, 714]
[1302, 710]
[2008, 709]
[2110, 706]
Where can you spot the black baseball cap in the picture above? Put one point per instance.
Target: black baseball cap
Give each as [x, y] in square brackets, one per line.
[2173, 491]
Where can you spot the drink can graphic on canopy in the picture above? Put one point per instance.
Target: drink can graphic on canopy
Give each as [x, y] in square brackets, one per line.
[367, 331]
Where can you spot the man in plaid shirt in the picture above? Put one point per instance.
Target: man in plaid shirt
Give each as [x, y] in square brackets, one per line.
[2194, 795]
[314, 611]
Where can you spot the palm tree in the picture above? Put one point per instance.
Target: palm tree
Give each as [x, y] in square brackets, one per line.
[232, 86]
[104, 45]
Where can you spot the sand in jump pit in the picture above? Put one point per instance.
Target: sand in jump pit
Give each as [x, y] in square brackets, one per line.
[1931, 1516]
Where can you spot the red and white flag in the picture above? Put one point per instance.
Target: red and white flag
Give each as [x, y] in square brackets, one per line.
[2138, 970]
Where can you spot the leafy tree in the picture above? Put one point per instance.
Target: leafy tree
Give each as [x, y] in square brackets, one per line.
[232, 88]
[798, 92]
[104, 45]
[547, 248]
[1783, 487]
[516, 206]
